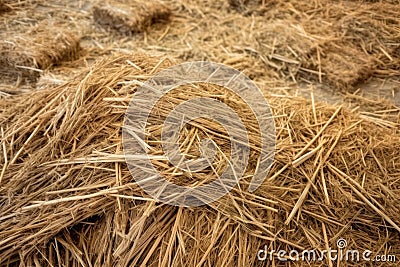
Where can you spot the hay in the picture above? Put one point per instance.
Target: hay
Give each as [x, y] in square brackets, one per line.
[241, 5]
[24, 57]
[285, 45]
[129, 17]
[10, 5]
[200, 30]
[68, 197]
[343, 68]
[368, 37]
[317, 41]
[4, 7]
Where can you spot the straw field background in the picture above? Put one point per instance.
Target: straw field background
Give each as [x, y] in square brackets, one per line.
[330, 71]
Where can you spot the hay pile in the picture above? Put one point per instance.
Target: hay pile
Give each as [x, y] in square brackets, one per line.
[4, 7]
[23, 57]
[341, 43]
[130, 16]
[341, 67]
[67, 197]
[256, 43]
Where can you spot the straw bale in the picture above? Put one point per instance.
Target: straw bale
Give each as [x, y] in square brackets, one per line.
[4, 7]
[67, 196]
[342, 42]
[370, 28]
[340, 65]
[130, 17]
[25, 56]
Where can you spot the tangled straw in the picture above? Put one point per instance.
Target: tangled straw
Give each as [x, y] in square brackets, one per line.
[67, 195]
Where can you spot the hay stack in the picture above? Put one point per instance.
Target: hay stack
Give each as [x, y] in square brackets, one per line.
[340, 43]
[67, 196]
[25, 56]
[369, 39]
[129, 17]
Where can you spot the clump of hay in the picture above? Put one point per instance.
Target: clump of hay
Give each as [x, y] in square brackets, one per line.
[239, 5]
[129, 17]
[341, 67]
[25, 56]
[68, 197]
[285, 45]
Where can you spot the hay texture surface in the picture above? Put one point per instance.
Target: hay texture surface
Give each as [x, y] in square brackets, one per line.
[25, 56]
[67, 197]
[4, 7]
[129, 17]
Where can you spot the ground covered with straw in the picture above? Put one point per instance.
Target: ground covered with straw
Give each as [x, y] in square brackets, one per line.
[67, 197]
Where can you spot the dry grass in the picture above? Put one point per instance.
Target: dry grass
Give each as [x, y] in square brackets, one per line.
[68, 198]
[341, 67]
[24, 57]
[316, 40]
[4, 7]
[280, 43]
[130, 16]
